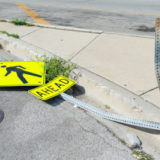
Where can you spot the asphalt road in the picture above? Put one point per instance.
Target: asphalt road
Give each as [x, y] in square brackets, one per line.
[53, 130]
[131, 17]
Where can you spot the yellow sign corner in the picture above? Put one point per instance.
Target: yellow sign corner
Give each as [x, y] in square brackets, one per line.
[22, 73]
[53, 88]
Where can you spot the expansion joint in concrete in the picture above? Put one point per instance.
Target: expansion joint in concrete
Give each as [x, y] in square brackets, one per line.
[142, 94]
[84, 47]
[30, 32]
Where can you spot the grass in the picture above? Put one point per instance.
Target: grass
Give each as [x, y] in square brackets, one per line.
[138, 154]
[3, 20]
[141, 155]
[56, 66]
[122, 141]
[18, 22]
[107, 107]
[10, 35]
[1, 46]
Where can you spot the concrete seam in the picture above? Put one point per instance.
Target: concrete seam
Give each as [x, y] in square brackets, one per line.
[142, 94]
[30, 33]
[83, 48]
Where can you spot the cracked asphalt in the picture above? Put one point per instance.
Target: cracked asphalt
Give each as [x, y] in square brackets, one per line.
[37, 130]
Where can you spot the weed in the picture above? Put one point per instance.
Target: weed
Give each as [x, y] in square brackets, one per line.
[141, 155]
[18, 22]
[122, 141]
[107, 107]
[3, 20]
[56, 66]
[1, 46]
[10, 35]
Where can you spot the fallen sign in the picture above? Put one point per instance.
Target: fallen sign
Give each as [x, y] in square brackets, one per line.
[22, 73]
[61, 84]
[53, 88]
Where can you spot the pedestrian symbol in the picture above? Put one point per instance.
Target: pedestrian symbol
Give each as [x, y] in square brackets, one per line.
[22, 73]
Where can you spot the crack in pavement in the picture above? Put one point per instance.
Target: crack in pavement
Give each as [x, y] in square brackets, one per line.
[142, 94]
[95, 133]
[37, 29]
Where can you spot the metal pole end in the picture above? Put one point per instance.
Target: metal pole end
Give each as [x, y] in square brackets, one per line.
[157, 24]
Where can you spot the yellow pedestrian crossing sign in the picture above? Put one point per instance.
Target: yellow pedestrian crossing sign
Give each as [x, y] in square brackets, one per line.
[22, 73]
[53, 88]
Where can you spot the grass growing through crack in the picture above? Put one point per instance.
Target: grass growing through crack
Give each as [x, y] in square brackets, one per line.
[10, 35]
[141, 155]
[56, 66]
[3, 20]
[1, 46]
[18, 22]
[122, 141]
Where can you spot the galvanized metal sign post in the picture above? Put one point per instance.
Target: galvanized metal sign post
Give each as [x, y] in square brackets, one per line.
[157, 50]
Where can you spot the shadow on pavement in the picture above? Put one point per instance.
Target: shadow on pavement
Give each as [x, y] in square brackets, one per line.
[75, 91]
[78, 90]
[55, 101]
[23, 88]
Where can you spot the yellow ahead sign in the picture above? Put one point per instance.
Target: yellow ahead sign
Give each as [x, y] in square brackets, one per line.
[22, 73]
[53, 88]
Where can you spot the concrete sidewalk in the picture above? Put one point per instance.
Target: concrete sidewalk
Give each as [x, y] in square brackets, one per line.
[126, 60]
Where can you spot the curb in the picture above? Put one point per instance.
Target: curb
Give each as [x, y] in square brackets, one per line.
[69, 28]
[87, 30]
[123, 101]
[62, 28]
[83, 30]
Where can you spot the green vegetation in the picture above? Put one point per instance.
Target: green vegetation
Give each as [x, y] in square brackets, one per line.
[141, 155]
[56, 66]
[122, 141]
[10, 35]
[3, 20]
[18, 22]
[107, 107]
[1, 46]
